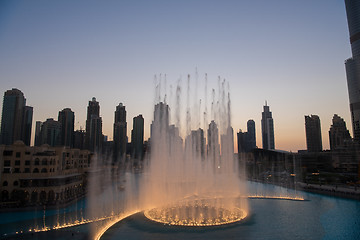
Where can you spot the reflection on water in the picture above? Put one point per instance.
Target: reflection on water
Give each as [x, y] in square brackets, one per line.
[321, 217]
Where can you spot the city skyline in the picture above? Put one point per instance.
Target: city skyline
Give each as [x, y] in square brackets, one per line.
[61, 55]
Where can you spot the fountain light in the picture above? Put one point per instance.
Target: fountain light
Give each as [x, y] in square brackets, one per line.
[196, 213]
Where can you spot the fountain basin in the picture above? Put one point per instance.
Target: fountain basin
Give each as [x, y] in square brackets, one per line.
[198, 213]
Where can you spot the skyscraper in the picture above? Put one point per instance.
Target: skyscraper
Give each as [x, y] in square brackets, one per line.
[79, 139]
[267, 128]
[338, 134]
[313, 133]
[67, 118]
[251, 134]
[247, 140]
[197, 142]
[93, 134]
[120, 133]
[50, 133]
[16, 119]
[37, 133]
[160, 123]
[27, 124]
[353, 64]
[213, 148]
[137, 137]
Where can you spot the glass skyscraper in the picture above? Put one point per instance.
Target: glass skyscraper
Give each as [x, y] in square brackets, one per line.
[353, 64]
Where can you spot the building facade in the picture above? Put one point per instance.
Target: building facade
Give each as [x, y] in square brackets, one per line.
[50, 133]
[120, 133]
[137, 137]
[93, 133]
[66, 118]
[267, 129]
[339, 135]
[32, 176]
[16, 121]
[247, 140]
[313, 133]
[353, 64]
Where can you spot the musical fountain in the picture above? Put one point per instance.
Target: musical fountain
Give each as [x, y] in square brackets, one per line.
[191, 186]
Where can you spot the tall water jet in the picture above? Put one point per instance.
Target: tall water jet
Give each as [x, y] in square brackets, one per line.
[192, 178]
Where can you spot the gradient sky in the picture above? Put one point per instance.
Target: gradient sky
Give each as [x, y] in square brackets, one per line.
[290, 53]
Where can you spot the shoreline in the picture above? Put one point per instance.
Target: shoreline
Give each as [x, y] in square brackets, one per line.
[331, 190]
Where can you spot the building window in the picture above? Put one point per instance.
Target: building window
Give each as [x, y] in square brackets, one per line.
[44, 170]
[27, 153]
[17, 170]
[6, 170]
[37, 162]
[27, 170]
[17, 163]
[36, 170]
[27, 163]
[7, 163]
[5, 183]
[18, 154]
[25, 183]
[16, 183]
[44, 161]
[7, 153]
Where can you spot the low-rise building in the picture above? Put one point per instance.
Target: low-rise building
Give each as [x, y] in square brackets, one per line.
[42, 175]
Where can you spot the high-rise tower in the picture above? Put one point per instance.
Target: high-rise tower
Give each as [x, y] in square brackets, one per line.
[16, 119]
[247, 140]
[267, 128]
[251, 134]
[339, 136]
[67, 118]
[353, 64]
[313, 133]
[50, 133]
[120, 132]
[137, 137]
[93, 135]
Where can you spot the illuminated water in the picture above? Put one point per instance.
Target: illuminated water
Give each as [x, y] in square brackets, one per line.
[321, 217]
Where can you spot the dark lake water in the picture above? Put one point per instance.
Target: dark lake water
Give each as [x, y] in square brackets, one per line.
[320, 217]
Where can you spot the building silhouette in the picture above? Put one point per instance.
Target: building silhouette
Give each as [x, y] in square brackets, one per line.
[353, 64]
[79, 139]
[67, 118]
[251, 134]
[161, 119]
[267, 129]
[16, 121]
[120, 133]
[137, 137]
[339, 135]
[247, 140]
[213, 148]
[50, 133]
[197, 141]
[37, 133]
[93, 134]
[313, 133]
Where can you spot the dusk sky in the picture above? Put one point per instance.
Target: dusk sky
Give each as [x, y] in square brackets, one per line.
[60, 54]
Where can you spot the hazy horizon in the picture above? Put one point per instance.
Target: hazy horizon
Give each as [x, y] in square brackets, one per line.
[60, 54]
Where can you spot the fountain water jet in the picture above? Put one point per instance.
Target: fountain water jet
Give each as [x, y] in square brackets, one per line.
[190, 182]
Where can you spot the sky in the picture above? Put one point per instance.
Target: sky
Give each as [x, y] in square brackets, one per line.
[291, 54]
